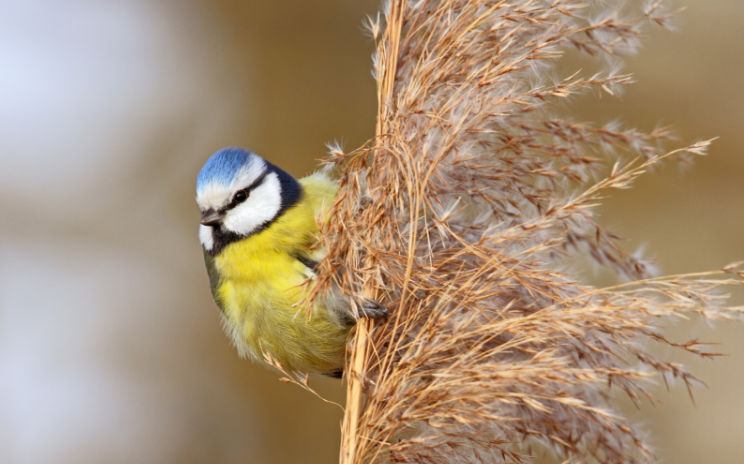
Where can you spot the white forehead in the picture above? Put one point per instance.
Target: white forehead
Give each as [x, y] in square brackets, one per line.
[217, 192]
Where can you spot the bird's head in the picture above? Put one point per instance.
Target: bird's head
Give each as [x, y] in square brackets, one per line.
[240, 194]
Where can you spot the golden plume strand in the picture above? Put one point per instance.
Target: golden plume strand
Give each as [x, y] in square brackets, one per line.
[459, 216]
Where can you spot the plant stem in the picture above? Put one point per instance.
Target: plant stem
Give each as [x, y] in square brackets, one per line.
[388, 48]
[354, 393]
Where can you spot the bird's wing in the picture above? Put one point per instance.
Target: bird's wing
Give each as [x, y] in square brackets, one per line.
[214, 278]
[320, 191]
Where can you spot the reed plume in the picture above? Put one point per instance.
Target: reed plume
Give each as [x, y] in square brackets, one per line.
[459, 217]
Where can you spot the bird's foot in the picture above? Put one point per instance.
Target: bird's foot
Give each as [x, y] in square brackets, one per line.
[368, 307]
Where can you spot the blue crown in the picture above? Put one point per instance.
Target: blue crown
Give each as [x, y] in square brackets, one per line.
[223, 166]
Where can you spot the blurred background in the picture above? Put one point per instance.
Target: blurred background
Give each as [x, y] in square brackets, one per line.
[110, 345]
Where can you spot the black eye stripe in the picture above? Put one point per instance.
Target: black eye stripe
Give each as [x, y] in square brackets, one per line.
[259, 180]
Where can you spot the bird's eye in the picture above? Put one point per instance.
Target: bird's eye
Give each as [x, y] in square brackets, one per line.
[240, 197]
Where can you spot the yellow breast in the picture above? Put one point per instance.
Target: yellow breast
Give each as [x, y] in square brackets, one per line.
[262, 284]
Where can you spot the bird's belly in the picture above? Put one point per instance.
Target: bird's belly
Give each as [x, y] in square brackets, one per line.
[266, 317]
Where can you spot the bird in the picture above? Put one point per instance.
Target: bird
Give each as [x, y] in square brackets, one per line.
[258, 229]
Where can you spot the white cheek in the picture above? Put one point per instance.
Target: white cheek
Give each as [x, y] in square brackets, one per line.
[206, 236]
[262, 207]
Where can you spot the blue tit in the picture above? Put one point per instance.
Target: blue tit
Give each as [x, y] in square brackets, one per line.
[258, 228]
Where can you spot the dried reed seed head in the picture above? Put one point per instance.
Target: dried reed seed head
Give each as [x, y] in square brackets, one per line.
[459, 216]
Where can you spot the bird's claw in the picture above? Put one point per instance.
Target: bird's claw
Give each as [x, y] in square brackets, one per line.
[370, 308]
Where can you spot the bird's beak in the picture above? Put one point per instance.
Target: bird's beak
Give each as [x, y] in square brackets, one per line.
[211, 217]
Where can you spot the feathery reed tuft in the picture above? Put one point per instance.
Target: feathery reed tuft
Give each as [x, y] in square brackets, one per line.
[458, 217]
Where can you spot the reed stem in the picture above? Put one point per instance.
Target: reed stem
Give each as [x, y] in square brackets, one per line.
[388, 49]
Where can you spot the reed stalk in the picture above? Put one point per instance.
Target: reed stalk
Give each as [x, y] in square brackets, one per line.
[356, 370]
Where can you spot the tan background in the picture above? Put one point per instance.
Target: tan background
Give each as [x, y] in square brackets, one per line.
[110, 346]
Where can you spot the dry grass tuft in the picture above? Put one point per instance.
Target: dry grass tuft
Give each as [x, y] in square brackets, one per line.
[457, 217]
